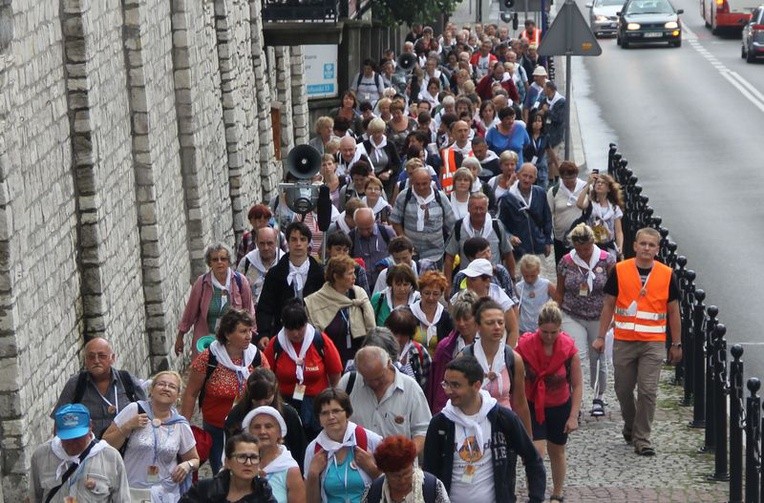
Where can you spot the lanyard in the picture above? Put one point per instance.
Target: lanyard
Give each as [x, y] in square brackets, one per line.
[114, 405]
[157, 444]
[344, 314]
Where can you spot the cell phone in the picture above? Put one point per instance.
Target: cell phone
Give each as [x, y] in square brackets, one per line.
[595, 172]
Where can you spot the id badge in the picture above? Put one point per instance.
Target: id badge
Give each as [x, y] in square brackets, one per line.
[152, 474]
[299, 392]
[534, 160]
[469, 474]
[583, 290]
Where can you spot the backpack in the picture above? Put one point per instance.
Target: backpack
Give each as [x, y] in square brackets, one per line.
[351, 382]
[123, 449]
[380, 229]
[212, 363]
[377, 80]
[124, 376]
[361, 439]
[458, 229]
[509, 360]
[429, 489]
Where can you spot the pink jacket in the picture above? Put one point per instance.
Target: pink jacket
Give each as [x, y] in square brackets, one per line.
[198, 304]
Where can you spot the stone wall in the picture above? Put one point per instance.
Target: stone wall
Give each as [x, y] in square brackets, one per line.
[133, 133]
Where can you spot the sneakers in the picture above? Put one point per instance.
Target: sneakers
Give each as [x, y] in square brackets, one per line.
[598, 408]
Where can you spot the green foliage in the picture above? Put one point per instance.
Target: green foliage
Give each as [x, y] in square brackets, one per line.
[392, 12]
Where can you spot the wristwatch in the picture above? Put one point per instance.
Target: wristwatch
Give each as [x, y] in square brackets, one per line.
[676, 345]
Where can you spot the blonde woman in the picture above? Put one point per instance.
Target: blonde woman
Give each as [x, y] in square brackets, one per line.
[160, 454]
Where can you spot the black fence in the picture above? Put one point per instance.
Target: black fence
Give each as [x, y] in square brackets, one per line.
[312, 11]
[712, 383]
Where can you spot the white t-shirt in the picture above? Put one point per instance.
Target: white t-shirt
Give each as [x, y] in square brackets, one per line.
[170, 441]
[501, 298]
[480, 488]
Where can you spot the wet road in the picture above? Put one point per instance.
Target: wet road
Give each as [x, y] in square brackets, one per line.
[690, 122]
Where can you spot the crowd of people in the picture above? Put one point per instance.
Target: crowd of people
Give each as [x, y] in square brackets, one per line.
[416, 348]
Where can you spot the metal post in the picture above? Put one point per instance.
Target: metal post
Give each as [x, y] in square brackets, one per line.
[688, 343]
[568, 55]
[610, 165]
[737, 423]
[720, 404]
[699, 359]
[710, 436]
[752, 438]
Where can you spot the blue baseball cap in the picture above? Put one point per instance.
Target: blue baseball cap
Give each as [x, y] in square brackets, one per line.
[72, 421]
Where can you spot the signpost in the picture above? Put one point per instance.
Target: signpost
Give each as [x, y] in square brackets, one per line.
[569, 35]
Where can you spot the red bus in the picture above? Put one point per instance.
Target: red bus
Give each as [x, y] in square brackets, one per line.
[727, 15]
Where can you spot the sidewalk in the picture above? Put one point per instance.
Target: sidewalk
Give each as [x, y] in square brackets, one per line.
[602, 467]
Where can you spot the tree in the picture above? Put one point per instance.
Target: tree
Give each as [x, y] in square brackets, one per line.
[391, 12]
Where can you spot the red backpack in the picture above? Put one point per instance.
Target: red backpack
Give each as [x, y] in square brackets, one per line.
[361, 440]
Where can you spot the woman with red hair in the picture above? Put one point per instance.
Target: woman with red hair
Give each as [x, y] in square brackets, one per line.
[434, 321]
[402, 481]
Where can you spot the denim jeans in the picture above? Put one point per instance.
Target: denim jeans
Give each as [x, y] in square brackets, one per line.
[216, 451]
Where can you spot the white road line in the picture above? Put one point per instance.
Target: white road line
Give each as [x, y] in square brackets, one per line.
[738, 82]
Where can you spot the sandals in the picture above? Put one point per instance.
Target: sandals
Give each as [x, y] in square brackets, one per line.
[644, 450]
[598, 408]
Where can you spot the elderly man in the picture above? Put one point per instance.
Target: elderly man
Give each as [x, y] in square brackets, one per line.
[370, 241]
[535, 92]
[424, 215]
[642, 298]
[453, 155]
[385, 400]
[349, 154]
[75, 466]
[483, 59]
[256, 264]
[478, 223]
[525, 213]
[101, 388]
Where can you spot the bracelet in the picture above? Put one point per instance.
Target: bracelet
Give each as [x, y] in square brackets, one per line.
[676, 345]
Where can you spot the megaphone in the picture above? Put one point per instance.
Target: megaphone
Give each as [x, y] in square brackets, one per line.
[407, 61]
[204, 342]
[303, 162]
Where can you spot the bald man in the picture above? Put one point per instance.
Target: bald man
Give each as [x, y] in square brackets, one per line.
[370, 240]
[256, 264]
[100, 387]
[454, 154]
[349, 154]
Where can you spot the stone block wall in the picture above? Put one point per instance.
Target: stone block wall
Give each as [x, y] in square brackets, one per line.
[133, 133]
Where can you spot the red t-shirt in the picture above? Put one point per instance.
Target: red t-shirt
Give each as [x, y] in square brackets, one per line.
[316, 372]
[222, 388]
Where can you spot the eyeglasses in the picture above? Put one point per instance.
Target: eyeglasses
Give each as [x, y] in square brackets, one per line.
[331, 412]
[219, 259]
[167, 385]
[450, 385]
[244, 458]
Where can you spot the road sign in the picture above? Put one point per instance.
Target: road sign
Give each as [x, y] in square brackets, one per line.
[569, 35]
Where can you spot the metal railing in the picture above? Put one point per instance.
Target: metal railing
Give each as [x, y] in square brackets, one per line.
[309, 11]
[712, 384]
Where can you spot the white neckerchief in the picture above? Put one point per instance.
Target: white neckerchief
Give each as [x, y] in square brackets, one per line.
[242, 371]
[469, 425]
[557, 97]
[466, 150]
[496, 366]
[331, 447]
[417, 494]
[257, 261]
[604, 214]
[284, 461]
[484, 232]
[299, 360]
[422, 202]
[432, 329]
[388, 293]
[477, 186]
[226, 287]
[572, 196]
[298, 275]
[380, 205]
[515, 191]
[589, 268]
[342, 224]
[378, 148]
[67, 460]
[403, 357]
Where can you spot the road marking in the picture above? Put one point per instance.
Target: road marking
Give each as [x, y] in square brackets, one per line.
[738, 82]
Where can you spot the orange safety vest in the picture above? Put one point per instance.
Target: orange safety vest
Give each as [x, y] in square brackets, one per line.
[448, 169]
[646, 323]
[535, 39]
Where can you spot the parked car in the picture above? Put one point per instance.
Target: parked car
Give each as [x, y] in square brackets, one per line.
[753, 36]
[647, 22]
[603, 17]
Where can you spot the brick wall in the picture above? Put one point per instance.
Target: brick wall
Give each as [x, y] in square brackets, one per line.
[133, 133]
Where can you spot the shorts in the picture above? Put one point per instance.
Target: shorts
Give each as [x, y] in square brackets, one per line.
[553, 428]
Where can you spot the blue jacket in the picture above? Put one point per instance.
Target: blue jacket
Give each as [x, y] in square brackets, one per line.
[532, 225]
[508, 439]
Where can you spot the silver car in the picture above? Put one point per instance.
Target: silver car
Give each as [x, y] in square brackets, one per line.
[602, 16]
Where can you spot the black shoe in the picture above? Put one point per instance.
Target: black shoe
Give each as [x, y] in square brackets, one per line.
[626, 436]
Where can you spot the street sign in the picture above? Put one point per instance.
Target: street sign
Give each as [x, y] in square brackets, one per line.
[569, 35]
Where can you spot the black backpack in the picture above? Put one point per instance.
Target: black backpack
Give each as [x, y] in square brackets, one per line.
[429, 489]
[124, 376]
[458, 229]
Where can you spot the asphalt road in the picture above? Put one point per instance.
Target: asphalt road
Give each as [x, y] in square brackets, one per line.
[690, 121]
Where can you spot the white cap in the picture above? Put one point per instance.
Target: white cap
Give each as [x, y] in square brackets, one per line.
[479, 267]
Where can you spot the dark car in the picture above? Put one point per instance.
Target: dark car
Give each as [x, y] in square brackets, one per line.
[648, 22]
[753, 36]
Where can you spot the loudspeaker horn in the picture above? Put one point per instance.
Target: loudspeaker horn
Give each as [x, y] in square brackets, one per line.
[303, 162]
[407, 61]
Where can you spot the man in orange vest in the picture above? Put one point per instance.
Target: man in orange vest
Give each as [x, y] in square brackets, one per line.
[642, 298]
[453, 155]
